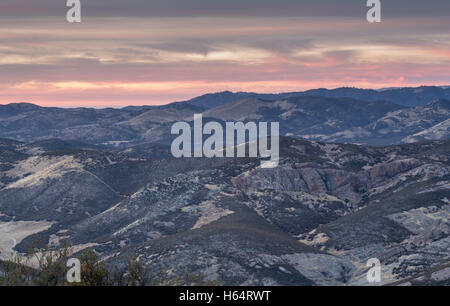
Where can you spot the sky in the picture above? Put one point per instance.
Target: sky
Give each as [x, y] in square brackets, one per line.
[141, 52]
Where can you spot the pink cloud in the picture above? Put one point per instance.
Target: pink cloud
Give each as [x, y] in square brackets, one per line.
[135, 62]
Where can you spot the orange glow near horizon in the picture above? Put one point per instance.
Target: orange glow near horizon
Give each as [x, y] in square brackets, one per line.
[115, 95]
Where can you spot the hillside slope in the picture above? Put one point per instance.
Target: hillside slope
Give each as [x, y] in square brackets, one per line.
[316, 219]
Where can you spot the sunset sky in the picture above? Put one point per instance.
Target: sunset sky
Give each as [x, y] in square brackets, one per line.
[154, 52]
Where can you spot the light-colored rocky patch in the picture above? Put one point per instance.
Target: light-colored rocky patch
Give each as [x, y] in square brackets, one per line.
[436, 132]
[441, 275]
[356, 132]
[34, 261]
[33, 170]
[116, 142]
[284, 105]
[314, 239]
[420, 173]
[422, 219]
[55, 240]
[212, 187]
[321, 268]
[209, 213]
[129, 226]
[12, 233]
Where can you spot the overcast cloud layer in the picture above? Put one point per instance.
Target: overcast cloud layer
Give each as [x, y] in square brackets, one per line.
[256, 8]
[153, 52]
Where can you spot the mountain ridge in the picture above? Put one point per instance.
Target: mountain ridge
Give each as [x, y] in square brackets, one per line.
[224, 97]
[344, 114]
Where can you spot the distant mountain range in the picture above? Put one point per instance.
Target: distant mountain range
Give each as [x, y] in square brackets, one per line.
[406, 96]
[349, 115]
[104, 179]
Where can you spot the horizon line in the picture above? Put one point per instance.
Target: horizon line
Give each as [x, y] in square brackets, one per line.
[224, 91]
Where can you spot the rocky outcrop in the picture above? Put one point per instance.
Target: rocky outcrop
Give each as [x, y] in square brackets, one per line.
[314, 220]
